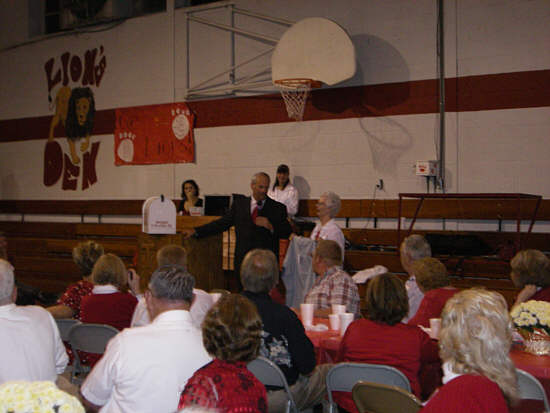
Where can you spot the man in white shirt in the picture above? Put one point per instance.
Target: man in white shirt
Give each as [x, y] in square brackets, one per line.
[414, 247]
[202, 301]
[30, 346]
[145, 369]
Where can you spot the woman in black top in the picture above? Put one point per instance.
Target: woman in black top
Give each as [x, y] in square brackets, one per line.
[189, 197]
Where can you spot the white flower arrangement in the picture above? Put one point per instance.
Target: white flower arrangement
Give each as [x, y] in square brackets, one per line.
[532, 316]
[36, 397]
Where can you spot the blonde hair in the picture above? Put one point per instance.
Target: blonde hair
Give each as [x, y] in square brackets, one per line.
[476, 336]
[430, 273]
[530, 267]
[109, 269]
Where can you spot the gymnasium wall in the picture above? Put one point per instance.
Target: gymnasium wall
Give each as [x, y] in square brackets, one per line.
[373, 126]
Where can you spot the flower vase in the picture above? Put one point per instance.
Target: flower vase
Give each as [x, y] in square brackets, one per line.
[537, 342]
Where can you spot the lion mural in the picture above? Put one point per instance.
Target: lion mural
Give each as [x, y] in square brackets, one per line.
[76, 113]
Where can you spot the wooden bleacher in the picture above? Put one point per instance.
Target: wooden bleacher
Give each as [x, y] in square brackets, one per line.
[41, 251]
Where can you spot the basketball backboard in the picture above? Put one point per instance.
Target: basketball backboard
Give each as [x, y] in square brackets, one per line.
[314, 48]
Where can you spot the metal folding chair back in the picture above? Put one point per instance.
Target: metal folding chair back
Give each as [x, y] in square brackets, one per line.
[91, 338]
[343, 376]
[64, 325]
[531, 388]
[381, 398]
[270, 374]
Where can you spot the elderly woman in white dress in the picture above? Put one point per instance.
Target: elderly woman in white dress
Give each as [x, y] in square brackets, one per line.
[284, 192]
[328, 207]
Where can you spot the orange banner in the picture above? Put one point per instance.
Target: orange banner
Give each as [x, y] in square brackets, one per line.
[154, 134]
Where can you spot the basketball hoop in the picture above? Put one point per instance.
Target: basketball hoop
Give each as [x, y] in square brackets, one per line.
[295, 92]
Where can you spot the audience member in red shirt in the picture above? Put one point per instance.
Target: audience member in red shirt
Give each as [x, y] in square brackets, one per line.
[381, 338]
[110, 302]
[85, 256]
[531, 273]
[475, 341]
[232, 334]
[433, 280]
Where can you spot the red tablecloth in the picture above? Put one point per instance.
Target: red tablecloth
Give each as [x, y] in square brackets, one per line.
[317, 337]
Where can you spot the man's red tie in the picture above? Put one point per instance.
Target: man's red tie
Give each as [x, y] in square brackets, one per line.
[255, 213]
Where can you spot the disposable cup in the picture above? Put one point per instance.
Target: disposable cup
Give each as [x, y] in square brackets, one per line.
[345, 321]
[338, 308]
[307, 314]
[334, 320]
[435, 327]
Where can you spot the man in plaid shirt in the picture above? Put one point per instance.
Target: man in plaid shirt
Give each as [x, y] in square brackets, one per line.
[333, 285]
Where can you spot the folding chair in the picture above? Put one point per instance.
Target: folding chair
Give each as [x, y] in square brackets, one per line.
[381, 398]
[343, 376]
[270, 374]
[531, 388]
[91, 338]
[64, 325]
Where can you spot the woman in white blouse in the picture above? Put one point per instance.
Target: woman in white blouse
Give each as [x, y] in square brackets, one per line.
[328, 207]
[284, 192]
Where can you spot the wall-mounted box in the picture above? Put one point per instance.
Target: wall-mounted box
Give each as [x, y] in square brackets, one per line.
[426, 168]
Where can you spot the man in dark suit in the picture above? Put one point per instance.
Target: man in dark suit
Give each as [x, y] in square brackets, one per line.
[259, 221]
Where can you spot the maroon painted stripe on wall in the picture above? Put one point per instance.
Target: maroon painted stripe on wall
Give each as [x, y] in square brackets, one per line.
[472, 93]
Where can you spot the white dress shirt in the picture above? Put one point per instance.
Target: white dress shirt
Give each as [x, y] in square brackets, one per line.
[330, 231]
[30, 346]
[415, 297]
[145, 369]
[287, 196]
[200, 306]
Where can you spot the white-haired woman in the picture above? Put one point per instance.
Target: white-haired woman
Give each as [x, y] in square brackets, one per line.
[328, 207]
[476, 336]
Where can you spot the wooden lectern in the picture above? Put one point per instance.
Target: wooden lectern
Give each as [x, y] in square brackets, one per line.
[204, 256]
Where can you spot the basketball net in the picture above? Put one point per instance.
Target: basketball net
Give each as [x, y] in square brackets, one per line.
[295, 92]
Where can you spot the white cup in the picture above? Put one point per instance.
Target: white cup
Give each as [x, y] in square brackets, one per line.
[345, 321]
[334, 320]
[307, 314]
[338, 308]
[435, 327]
